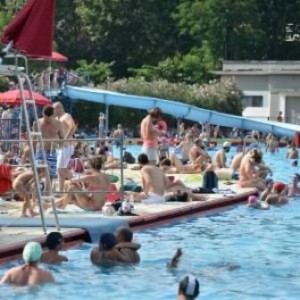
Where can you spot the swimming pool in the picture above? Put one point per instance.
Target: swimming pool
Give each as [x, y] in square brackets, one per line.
[237, 254]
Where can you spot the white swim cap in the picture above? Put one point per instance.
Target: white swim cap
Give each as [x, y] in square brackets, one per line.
[226, 145]
[32, 252]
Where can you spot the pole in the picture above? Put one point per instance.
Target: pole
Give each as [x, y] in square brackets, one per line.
[106, 118]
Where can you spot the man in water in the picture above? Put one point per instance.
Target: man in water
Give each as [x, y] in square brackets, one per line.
[65, 151]
[54, 243]
[51, 129]
[292, 153]
[29, 273]
[149, 134]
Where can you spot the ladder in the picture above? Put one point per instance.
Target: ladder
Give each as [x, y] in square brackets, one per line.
[35, 137]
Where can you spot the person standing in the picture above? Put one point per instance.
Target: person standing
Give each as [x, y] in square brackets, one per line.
[149, 135]
[101, 120]
[51, 129]
[66, 150]
[280, 117]
[119, 135]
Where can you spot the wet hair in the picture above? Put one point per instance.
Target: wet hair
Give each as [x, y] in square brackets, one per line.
[256, 155]
[166, 162]
[295, 163]
[107, 241]
[189, 289]
[53, 240]
[143, 159]
[48, 111]
[126, 234]
[155, 112]
[96, 163]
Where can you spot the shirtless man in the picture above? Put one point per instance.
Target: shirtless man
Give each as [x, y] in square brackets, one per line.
[248, 173]
[149, 134]
[292, 153]
[54, 243]
[119, 135]
[220, 156]
[66, 150]
[51, 129]
[197, 153]
[236, 162]
[294, 187]
[29, 273]
[185, 146]
[271, 144]
[106, 254]
[126, 246]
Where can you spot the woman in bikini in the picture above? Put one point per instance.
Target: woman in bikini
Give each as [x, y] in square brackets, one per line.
[93, 181]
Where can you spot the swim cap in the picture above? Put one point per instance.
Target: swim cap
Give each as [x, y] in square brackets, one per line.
[53, 240]
[226, 145]
[107, 241]
[32, 252]
[252, 199]
[279, 187]
[190, 286]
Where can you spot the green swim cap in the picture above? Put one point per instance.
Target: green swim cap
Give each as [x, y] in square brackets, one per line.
[32, 252]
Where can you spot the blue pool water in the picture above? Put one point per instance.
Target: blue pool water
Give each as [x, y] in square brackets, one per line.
[237, 254]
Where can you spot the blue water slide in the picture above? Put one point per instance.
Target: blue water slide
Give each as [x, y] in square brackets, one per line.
[179, 110]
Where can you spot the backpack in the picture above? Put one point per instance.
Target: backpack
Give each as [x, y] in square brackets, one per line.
[128, 158]
[210, 181]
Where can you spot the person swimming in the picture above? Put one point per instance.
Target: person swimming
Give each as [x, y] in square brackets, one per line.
[254, 202]
[189, 288]
[29, 273]
[54, 243]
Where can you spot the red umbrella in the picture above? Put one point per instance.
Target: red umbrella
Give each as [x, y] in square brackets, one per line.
[32, 29]
[13, 97]
[54, 57]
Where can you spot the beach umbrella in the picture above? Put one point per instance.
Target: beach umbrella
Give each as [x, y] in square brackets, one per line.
[31, 31]
[55, 56]
[13, 98]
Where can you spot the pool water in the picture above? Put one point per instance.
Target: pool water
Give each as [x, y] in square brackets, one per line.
[239, 253]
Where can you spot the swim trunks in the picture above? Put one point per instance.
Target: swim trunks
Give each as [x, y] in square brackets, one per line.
[154, 198]
[150, 152]
[64, 155]
[51, 158]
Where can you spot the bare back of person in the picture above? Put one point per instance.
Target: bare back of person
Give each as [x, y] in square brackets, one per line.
[185, 149]
[65, 119]
[154, 180]
[220, 159]
[53, 257]
[27, 275]
[236, 162]
[50, 130]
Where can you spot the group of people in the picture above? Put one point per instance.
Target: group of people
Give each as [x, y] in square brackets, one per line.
[113, 249]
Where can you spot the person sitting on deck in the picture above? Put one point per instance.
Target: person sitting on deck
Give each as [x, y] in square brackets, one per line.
[185, 147]
[93, 181]
[106, 254]
[279, 195]
[248, 173]
[189, 288]
[126, 246]
[220, 156]
[54, 243]
[29, 273]
[236, 162]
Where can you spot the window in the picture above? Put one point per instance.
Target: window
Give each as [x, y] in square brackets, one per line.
[253, 101]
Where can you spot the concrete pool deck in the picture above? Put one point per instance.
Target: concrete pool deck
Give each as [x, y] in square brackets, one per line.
[80, 226]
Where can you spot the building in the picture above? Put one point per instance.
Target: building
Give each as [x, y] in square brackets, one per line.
[268, 87]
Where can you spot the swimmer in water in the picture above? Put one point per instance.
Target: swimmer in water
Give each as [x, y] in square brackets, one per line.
[54, 243]
[175, 259]
[279, 194]
[29, 273]
[268, 190]
[294, 187]
[254, 202]
[189, 288]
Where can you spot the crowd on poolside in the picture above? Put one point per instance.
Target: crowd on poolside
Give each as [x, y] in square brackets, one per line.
[91, 190]
[157, 167]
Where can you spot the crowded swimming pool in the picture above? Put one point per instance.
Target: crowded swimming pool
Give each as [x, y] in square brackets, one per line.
[239, 253]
